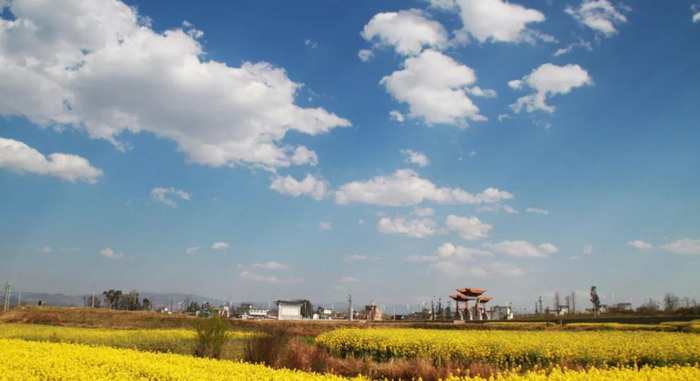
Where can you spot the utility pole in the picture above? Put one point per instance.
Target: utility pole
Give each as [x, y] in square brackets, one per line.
[350, 307]
[8, 288]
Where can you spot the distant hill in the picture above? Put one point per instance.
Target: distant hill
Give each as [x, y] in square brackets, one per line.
[62, 300]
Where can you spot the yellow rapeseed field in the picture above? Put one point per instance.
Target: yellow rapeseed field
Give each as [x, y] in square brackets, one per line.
[42, 361]
[519, 348]
[144, 339]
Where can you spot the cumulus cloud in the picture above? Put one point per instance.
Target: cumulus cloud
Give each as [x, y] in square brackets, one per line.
[396, 115]
[45, 250]
[96, 67]
[416, 158]
[683, 246]
[110, 254]
[253, 277]
[18, 157]
[309, 186]
[365, 55]
[220, 245]
[417, 228]
[360, 258]
[522, 249]
[495, 20]
[407, 31]
[539, 211]
[469, 228]
[587, 249]
[448, 251]
[640, 245]
[161, 195]
[480, 270]
[435, 88]
[696, 9]
[325, 225]
[548, 80]
[303, 155]
[404, 187]
[599, 15]
[269, 265]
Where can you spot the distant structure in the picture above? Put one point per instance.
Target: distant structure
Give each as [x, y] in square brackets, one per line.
[8, 288]
[478, 312]
[373, 312]
[289, 310]
[465, 295]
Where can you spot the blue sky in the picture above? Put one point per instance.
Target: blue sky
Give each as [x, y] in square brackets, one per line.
[395, 150]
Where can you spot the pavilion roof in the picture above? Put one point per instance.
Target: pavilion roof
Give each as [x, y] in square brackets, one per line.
[471, 291]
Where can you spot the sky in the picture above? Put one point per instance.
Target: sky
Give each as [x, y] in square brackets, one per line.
[392, 150]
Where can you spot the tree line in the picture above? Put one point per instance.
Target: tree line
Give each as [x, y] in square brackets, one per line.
[118, 300]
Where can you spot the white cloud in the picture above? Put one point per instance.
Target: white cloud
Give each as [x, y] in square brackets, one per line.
[696, 17]
[683, 246]
[422, 258]
[45, 250]
[581, 44]
[548, 248]
[270, 265]
[496, 21]
[192, 250]
[413, 157]
[696, 8]
[93, 65]
[110, 254]
[481, 270]
[349, 279]
[161, 195]
[404, 187]
[417, 228]
[495, 208]
[423, 212]
[220, 245]
[365, 55]
[598, 15]
[435, 88]
[539, 211]
[310, 43]
[396, 115]
[640, 245]
[309, 186]
[303, 155]
[360, 258]
[521, 249]
[548, 80]
[325, 225]
[587, 249]
[253, 277]
[448, 251]
[361, 221]
[407, 31]
[469, 228]
[20, 158]
[479, 92]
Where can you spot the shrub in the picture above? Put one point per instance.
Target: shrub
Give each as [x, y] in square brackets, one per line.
[211, 336]
[265, 347]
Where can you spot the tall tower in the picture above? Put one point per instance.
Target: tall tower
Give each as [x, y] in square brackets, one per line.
[8, 288]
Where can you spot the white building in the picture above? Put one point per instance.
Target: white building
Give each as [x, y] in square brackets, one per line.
[288, 310]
